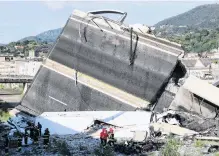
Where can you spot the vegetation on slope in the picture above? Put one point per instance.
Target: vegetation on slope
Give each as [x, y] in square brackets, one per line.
[198, 40]
[23, 48]
[197, 30]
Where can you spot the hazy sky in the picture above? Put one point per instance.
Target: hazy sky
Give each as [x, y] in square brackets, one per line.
[21, 19]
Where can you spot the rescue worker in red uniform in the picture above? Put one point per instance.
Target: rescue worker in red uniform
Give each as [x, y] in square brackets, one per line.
[103, 136]
[111, 139]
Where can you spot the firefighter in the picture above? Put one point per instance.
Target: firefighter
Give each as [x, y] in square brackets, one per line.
[39, 126]
[26, 137]
[111, 139]
[31, 130]
[19, 142]
[46, 138]
[35, 135]
[6, 143]
[103, 136]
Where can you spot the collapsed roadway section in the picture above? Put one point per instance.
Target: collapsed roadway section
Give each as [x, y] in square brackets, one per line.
[98, 64]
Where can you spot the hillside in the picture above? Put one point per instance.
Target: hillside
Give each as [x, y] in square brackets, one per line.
[201, 17]
[204, 16]
[47, 36]
[199, 40]
[197, 30]
[50, 35]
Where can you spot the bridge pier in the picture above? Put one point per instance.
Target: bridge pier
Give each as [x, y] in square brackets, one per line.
[25, 87]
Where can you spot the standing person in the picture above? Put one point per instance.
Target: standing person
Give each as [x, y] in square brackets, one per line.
[39, 126]
[6, 144]
[103, 136]
[35, 135]
[31, 130]
[111, 137]
[19, 142]
[46, 138]
[111, 132]
[25, 137]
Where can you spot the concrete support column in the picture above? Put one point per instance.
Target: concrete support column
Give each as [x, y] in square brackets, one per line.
[25, 87]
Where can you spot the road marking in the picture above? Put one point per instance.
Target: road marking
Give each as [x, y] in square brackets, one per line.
[57, 100]
[96, 84]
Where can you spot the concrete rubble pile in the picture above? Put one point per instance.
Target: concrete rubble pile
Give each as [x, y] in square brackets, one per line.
[132, 137]
[80, 130]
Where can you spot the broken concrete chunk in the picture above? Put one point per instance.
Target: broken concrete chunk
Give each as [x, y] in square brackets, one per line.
[189, 100]
[207, 138]
[166, 128]
[140, 136]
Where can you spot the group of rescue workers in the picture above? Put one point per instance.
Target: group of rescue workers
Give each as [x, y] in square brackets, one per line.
[107, 137]
[34, 134]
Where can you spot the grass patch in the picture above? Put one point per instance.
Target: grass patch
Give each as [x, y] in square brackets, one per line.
[4, 115]
[216, 154]
[104, 151]
[202, 143]
[2, 86]
[199, 143]
[171, 147]
[62, 147]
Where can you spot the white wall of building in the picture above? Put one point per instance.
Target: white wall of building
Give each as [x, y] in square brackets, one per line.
[7, 68]
[27, 67]
[19, 67]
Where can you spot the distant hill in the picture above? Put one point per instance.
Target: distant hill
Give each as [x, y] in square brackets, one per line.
[201, 17]
[48, 36]
[204, 16]
[29, 38]
[197, 29]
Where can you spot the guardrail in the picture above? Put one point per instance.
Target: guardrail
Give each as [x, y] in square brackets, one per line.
[15, 79]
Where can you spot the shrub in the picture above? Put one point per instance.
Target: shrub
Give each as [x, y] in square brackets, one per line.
[171, 147]
[4, 115]
[104, 151]
[199, 143]
[62, 147]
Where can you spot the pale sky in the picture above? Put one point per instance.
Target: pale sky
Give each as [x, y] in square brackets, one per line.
[22, 18]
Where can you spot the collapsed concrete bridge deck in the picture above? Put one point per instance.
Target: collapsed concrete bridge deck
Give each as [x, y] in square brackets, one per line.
[98, 64]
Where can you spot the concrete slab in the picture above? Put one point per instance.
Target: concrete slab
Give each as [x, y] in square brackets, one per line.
[110, 76]
[203, 89]
[75, 122]
[197, 96]
[166, 128]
